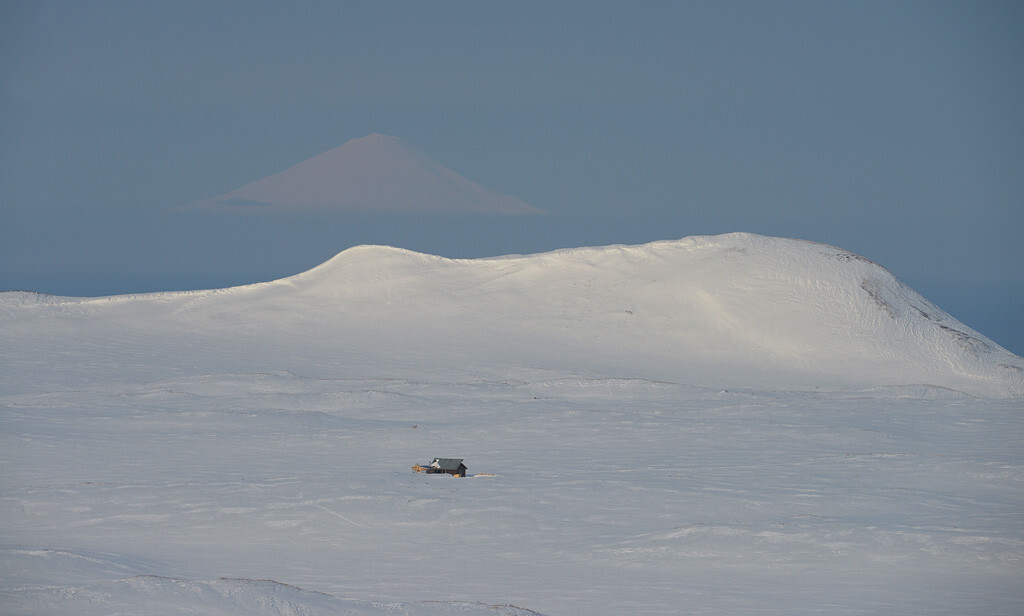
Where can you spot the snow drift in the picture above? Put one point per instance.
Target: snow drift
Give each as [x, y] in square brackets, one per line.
[736, 310]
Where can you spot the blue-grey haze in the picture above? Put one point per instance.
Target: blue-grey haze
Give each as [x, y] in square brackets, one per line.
[893, 129]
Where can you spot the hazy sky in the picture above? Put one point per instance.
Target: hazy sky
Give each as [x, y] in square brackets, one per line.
[893, 129]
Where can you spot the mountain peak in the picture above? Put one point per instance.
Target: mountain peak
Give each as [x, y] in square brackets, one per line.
[377, 138]
[375, 174]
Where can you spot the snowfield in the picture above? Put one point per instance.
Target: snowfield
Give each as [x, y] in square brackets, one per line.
[733, 424]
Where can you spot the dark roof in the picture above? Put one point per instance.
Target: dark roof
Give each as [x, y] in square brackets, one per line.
[447, 464]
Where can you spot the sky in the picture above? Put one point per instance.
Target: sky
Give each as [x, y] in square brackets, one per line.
[893, 129]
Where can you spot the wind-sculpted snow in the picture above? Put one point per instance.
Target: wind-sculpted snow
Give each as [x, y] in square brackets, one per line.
[154, 594]
[717, 425]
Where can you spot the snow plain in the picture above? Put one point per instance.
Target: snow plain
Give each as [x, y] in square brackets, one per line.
[717, 425]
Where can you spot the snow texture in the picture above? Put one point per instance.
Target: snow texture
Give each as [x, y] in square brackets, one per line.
[716, 425]
[377, 174]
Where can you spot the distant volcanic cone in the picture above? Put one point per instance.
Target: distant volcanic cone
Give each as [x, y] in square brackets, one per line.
[372, 174]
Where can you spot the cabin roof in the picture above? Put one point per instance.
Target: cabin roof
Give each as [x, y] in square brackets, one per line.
[447, 464]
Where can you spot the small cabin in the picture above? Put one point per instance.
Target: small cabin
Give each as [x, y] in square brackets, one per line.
[451, 466]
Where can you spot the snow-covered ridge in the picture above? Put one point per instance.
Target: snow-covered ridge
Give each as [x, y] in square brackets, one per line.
[732, 310]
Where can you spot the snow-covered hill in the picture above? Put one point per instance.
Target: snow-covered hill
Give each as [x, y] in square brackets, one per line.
[736, 310]
[717, 425]
[373, 174]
